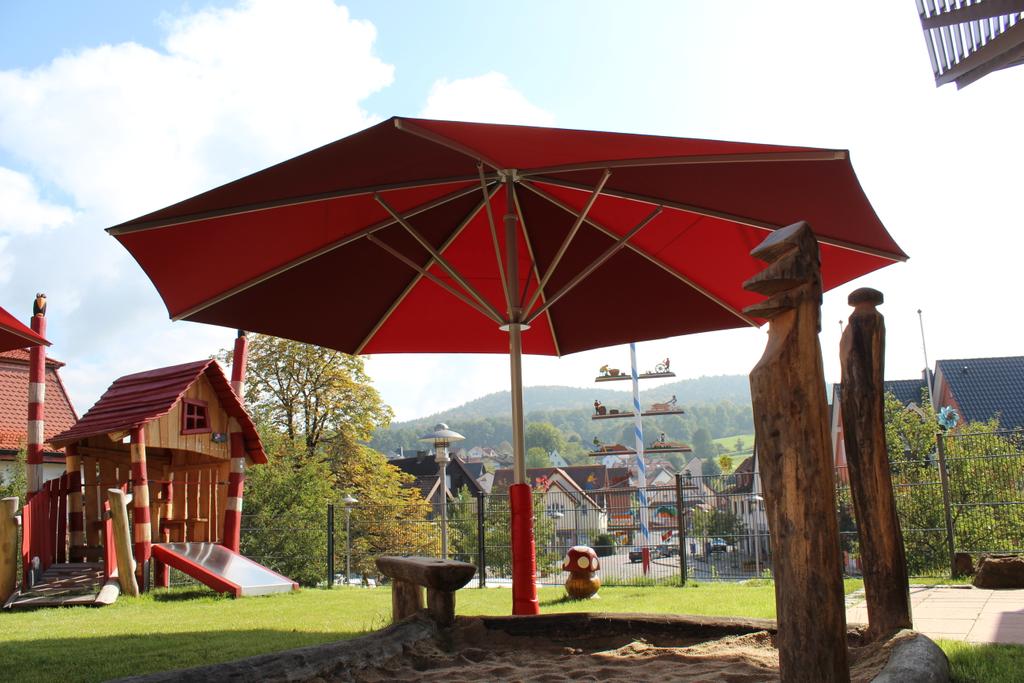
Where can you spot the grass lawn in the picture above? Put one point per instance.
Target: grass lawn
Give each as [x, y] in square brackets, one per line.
[729, 443]
[180, 628]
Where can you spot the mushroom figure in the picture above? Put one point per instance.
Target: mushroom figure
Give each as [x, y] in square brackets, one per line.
[582, 564]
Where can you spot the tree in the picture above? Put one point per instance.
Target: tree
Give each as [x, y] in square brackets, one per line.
[982, 468]
[703, 446]
[725, 462]
[390, 517]
[15, 484]
[716, 524]
[544, 435]
[709, 468]
[310, 392]
[284, 523]
[537, 457]
[738, 444]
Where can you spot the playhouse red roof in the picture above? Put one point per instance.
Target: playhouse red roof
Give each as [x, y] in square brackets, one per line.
[59, 415]
[134, 400]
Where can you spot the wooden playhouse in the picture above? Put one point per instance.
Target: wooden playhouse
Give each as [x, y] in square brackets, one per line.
[179, 440]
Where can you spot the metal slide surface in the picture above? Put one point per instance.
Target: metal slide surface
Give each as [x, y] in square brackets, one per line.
[222, 569]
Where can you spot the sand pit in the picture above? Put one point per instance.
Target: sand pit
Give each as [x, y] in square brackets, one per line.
[568, 647]
[479, 650]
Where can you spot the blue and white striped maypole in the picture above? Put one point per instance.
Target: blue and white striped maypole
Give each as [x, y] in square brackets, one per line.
[641, 469]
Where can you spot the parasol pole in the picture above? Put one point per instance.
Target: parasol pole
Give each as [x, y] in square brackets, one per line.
[520, 496]
[641, 468]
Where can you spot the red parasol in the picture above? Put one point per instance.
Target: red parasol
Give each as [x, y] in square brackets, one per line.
[14, 335]
[520, 239]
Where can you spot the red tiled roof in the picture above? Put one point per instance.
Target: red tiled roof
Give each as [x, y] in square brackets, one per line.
[134, 400]
[59, 413]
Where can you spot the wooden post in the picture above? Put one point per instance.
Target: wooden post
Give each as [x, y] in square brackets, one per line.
[122, 541]
[406, 599]
[8, 548]
[76, 521]
[36, 398]
[862, 393]
[791, 424]
[142, 531]
[440, 577]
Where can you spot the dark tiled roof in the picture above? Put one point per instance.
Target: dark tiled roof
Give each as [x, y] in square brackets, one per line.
[423, 466]
[987, 387]
[134, 400]
[59, 413]
[907, 391]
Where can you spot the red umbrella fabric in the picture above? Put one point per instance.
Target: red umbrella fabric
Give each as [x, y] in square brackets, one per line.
[437, 236]
[321, 231]
[15, 335]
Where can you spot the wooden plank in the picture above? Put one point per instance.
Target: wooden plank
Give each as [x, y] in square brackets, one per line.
[862, 396]
[191, 501]
[8, 547]
[222, 498]
[123, 541]
[787, 388]
[91, 500]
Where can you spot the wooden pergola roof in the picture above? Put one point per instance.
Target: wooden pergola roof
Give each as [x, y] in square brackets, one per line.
[969, 39]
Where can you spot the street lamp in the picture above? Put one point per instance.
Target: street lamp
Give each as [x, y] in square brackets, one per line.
[441, 437]
[757, 500]
[349, 501]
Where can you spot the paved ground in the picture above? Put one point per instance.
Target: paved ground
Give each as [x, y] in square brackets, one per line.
[965, 613]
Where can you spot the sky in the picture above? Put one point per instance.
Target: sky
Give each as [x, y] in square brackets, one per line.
[110, 109]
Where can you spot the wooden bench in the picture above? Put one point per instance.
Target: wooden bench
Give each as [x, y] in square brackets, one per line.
[410, 575]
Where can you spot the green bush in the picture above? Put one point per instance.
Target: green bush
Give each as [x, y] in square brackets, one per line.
[604, 545]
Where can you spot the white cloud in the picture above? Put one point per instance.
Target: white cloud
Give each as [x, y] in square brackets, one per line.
[23, 210]
[125, 129]
[487, 99]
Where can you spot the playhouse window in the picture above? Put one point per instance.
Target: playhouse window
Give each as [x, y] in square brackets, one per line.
[194, 417]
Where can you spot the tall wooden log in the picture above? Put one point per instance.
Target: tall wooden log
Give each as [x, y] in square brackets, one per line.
[795, 458]
[143, 530]
[8, 547]
[122, 541]
[884, 562]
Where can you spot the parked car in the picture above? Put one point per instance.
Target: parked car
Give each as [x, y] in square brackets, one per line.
[636, 554]
[666, 550]
[718, 545]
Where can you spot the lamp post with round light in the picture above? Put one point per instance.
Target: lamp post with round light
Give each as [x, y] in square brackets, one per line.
[349, 501]
[441, 437]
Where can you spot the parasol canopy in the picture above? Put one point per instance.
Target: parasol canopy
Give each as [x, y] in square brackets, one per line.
[15, 335]
[400, 229]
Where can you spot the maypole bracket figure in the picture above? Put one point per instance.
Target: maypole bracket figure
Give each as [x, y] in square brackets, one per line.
[787, 388]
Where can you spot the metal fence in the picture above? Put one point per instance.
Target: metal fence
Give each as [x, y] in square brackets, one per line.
[967, 496]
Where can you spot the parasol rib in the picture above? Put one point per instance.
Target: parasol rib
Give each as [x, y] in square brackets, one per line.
[409, 127]
[580, 217]
[693, 160]
[712, 213]
[254, 207]
[440, 260]
[417, 278]
[305, 258]
[533, 270]
[585, 273]
[433, 278]
[494, 236]
[640, 252]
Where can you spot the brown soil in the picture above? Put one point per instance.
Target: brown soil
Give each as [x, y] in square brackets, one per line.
[476, 653]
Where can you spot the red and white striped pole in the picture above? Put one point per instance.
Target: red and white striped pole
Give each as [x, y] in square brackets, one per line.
[142, 533]
[36, 398]
[236, 479]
